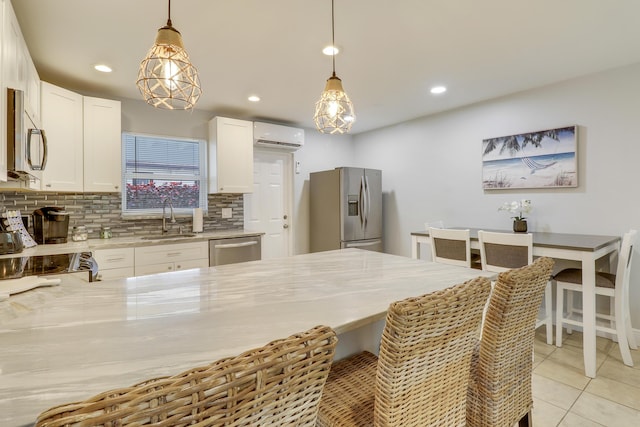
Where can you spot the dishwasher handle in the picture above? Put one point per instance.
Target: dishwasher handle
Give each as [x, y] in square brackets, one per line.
[235, 245]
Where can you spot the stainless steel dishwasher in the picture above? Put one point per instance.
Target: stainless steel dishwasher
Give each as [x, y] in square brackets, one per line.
[234, 249]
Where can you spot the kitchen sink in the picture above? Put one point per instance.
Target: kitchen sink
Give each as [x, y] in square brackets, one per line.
[168, 236]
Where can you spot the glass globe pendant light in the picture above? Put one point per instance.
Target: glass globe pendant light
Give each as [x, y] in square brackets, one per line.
[334, 111]
[166, 78]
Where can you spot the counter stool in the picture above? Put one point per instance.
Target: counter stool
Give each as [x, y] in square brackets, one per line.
[499, 391]
[421, 376]
[614, 286]
[281, 382]
[450, 246]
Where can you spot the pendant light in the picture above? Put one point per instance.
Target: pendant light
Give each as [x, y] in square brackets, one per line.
[334, 111]
[166, 78]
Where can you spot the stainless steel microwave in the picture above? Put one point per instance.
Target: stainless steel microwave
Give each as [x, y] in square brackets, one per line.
[26, 142]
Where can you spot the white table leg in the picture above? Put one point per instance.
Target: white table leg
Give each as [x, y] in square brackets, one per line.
[415, 247]
[589, 315]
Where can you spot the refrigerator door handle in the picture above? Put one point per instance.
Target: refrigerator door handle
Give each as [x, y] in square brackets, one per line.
[368, 201]
[361, 203]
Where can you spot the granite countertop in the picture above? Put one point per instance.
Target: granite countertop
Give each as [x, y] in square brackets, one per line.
[70, 342]
[29, 302]
[123, 242]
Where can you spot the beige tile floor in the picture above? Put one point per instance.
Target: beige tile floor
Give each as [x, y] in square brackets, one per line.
[564, 396]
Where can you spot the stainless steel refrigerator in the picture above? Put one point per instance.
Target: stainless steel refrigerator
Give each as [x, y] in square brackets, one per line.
[346, 209]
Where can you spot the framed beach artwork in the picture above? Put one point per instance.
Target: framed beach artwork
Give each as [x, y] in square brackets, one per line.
[544, 159]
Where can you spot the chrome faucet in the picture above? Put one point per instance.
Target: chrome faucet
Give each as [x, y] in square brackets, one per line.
[164, 215]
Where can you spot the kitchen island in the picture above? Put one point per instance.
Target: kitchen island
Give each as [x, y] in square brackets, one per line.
[92, 337]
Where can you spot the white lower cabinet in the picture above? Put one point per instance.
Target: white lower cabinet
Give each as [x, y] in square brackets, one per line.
[114, 263]
[139, 261]
[172, 257]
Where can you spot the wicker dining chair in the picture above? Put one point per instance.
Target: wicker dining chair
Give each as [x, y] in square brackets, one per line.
[504, 251]
[422, 373]
[277, 384]
[501, 368]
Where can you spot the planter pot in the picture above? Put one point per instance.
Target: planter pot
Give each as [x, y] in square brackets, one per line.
[520, 226]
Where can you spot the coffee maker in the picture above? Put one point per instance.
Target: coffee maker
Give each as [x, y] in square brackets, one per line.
[50, 225]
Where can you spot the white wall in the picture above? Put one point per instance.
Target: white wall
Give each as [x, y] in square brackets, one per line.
[320, 152]
[139, 117]
[432, 166]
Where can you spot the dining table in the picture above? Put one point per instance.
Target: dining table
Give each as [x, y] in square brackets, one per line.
[584, 248]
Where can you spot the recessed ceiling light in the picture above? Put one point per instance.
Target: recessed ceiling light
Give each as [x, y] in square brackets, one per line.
[436, 90]
[331, 50]
[103, 68]
[254, 98]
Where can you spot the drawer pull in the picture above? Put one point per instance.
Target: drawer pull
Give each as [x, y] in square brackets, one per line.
[115, 259]
[174, 253]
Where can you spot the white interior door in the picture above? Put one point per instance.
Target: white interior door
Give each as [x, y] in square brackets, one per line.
[267, 209]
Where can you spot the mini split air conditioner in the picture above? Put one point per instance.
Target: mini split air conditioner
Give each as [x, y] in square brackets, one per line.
[277, 136]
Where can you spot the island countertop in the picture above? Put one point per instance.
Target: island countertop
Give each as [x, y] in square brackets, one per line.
[91, 337]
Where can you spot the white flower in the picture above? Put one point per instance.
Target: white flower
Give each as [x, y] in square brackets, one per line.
[517, 206]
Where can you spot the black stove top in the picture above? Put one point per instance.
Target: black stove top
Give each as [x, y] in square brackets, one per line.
[48, 264]
[41, 265]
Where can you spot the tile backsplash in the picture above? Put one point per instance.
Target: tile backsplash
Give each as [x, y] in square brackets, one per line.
[94, 210]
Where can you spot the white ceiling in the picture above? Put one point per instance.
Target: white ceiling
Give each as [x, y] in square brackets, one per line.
[392, 51]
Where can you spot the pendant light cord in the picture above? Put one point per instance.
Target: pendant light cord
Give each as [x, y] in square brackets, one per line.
[169, 15]
[333, 39]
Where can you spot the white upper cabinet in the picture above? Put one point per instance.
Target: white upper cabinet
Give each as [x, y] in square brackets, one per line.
[14, 54]
[62, 122]
[3, 99]
[102, 145]
[84, 141]
[32, 93]
[17, 71]
[230, 156]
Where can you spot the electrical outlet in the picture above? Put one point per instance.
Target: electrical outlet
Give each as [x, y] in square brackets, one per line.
[227, 213]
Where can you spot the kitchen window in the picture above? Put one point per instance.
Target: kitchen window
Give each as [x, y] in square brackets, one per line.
[158, 168]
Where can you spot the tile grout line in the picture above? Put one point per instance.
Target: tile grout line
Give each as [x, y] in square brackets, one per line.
[568, 410]
[608, 357]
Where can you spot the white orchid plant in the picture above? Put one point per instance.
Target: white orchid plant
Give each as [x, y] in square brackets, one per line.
[519, 207]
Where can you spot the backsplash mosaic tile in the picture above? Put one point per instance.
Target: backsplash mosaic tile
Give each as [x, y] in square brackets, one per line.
[94, 210]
